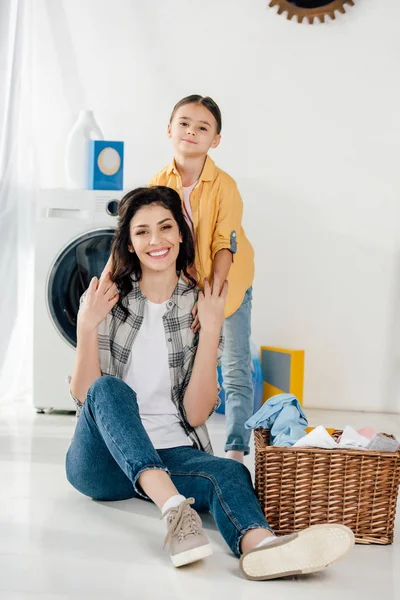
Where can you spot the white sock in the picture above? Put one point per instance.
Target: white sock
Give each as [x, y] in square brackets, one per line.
[172, 502]
[266, 541]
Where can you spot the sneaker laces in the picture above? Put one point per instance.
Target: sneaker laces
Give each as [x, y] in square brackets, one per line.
[185, 522]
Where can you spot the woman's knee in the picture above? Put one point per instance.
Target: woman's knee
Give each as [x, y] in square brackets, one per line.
[76, 476]
[81, 478]
[108, 387]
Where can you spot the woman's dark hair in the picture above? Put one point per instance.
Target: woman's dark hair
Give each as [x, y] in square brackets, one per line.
[204, 101]
[125, 263]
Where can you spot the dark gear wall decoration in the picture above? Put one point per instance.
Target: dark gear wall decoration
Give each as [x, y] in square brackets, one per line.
[310, 9]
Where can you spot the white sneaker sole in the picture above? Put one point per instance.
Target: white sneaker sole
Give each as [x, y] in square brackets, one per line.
[190, 556]
[307, 551]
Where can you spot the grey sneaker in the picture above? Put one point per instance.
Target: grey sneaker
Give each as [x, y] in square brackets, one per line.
[185, 539]
[308, 551]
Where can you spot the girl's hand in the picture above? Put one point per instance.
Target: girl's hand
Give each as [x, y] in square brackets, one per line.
[101, 297]
[196, 323]
[211, 305]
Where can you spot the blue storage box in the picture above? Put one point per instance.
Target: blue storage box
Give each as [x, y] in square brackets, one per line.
[106, 165]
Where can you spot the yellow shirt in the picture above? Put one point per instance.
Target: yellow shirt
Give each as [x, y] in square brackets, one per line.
[217, 219]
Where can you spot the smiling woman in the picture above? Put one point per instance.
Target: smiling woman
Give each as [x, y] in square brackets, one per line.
[145, 385]
[158, 239]
[152, 235]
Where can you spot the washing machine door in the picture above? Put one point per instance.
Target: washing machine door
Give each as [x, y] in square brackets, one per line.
[83, 258]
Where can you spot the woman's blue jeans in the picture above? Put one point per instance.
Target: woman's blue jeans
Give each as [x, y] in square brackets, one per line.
[111, 448]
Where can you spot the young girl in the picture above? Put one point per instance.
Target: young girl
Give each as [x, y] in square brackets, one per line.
[145, 384]
[213, 208]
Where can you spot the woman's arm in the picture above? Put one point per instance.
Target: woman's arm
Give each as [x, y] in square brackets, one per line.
[101, 297]
[87, 364]
[202, 392]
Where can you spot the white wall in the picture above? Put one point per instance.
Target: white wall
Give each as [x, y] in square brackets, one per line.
[311, 133]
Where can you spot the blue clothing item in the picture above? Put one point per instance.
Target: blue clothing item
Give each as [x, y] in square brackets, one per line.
[111, 448]
[284, 417]
[236, 366]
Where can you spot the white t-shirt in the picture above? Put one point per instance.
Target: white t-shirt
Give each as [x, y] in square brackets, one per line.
[188, 209]
[147, 373]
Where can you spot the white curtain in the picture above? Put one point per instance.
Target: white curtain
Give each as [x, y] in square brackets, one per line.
[17, 200]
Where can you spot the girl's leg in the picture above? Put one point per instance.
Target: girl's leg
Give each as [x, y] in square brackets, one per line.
[111, 450]
[224, 488]
[237, 379]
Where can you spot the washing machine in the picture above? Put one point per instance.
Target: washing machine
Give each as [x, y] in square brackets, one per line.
[74, 231]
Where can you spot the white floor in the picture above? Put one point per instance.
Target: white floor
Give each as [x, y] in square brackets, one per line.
[56, 544]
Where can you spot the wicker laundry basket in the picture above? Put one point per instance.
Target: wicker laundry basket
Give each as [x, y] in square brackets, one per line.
[299, 487]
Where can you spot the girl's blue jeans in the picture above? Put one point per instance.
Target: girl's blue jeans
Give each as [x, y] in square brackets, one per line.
[237, 376]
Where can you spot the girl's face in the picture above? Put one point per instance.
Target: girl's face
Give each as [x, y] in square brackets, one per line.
[193, 130]
[155, 238]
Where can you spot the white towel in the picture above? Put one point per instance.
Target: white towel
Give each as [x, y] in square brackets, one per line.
[320, 438]
[317, 438]
[352, 439]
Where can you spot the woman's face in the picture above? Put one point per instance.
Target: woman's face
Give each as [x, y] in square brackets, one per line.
[155, 238]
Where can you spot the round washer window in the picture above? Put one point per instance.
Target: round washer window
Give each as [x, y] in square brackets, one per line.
[83, 258]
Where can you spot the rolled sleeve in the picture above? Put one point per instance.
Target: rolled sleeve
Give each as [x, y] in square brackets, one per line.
[78, 403]
[229, 221]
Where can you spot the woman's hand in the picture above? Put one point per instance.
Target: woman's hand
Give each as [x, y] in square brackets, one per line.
[211, 305]
[101, 297]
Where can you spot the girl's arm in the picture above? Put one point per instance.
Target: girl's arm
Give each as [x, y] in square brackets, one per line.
[202, 392]
[222, 263]
[227, 228]
[223, 243]
[101, 297]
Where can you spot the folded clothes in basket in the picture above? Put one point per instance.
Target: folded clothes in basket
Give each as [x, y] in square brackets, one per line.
[317, 438]
[383, 443]
[283, 416]
[350, 439]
